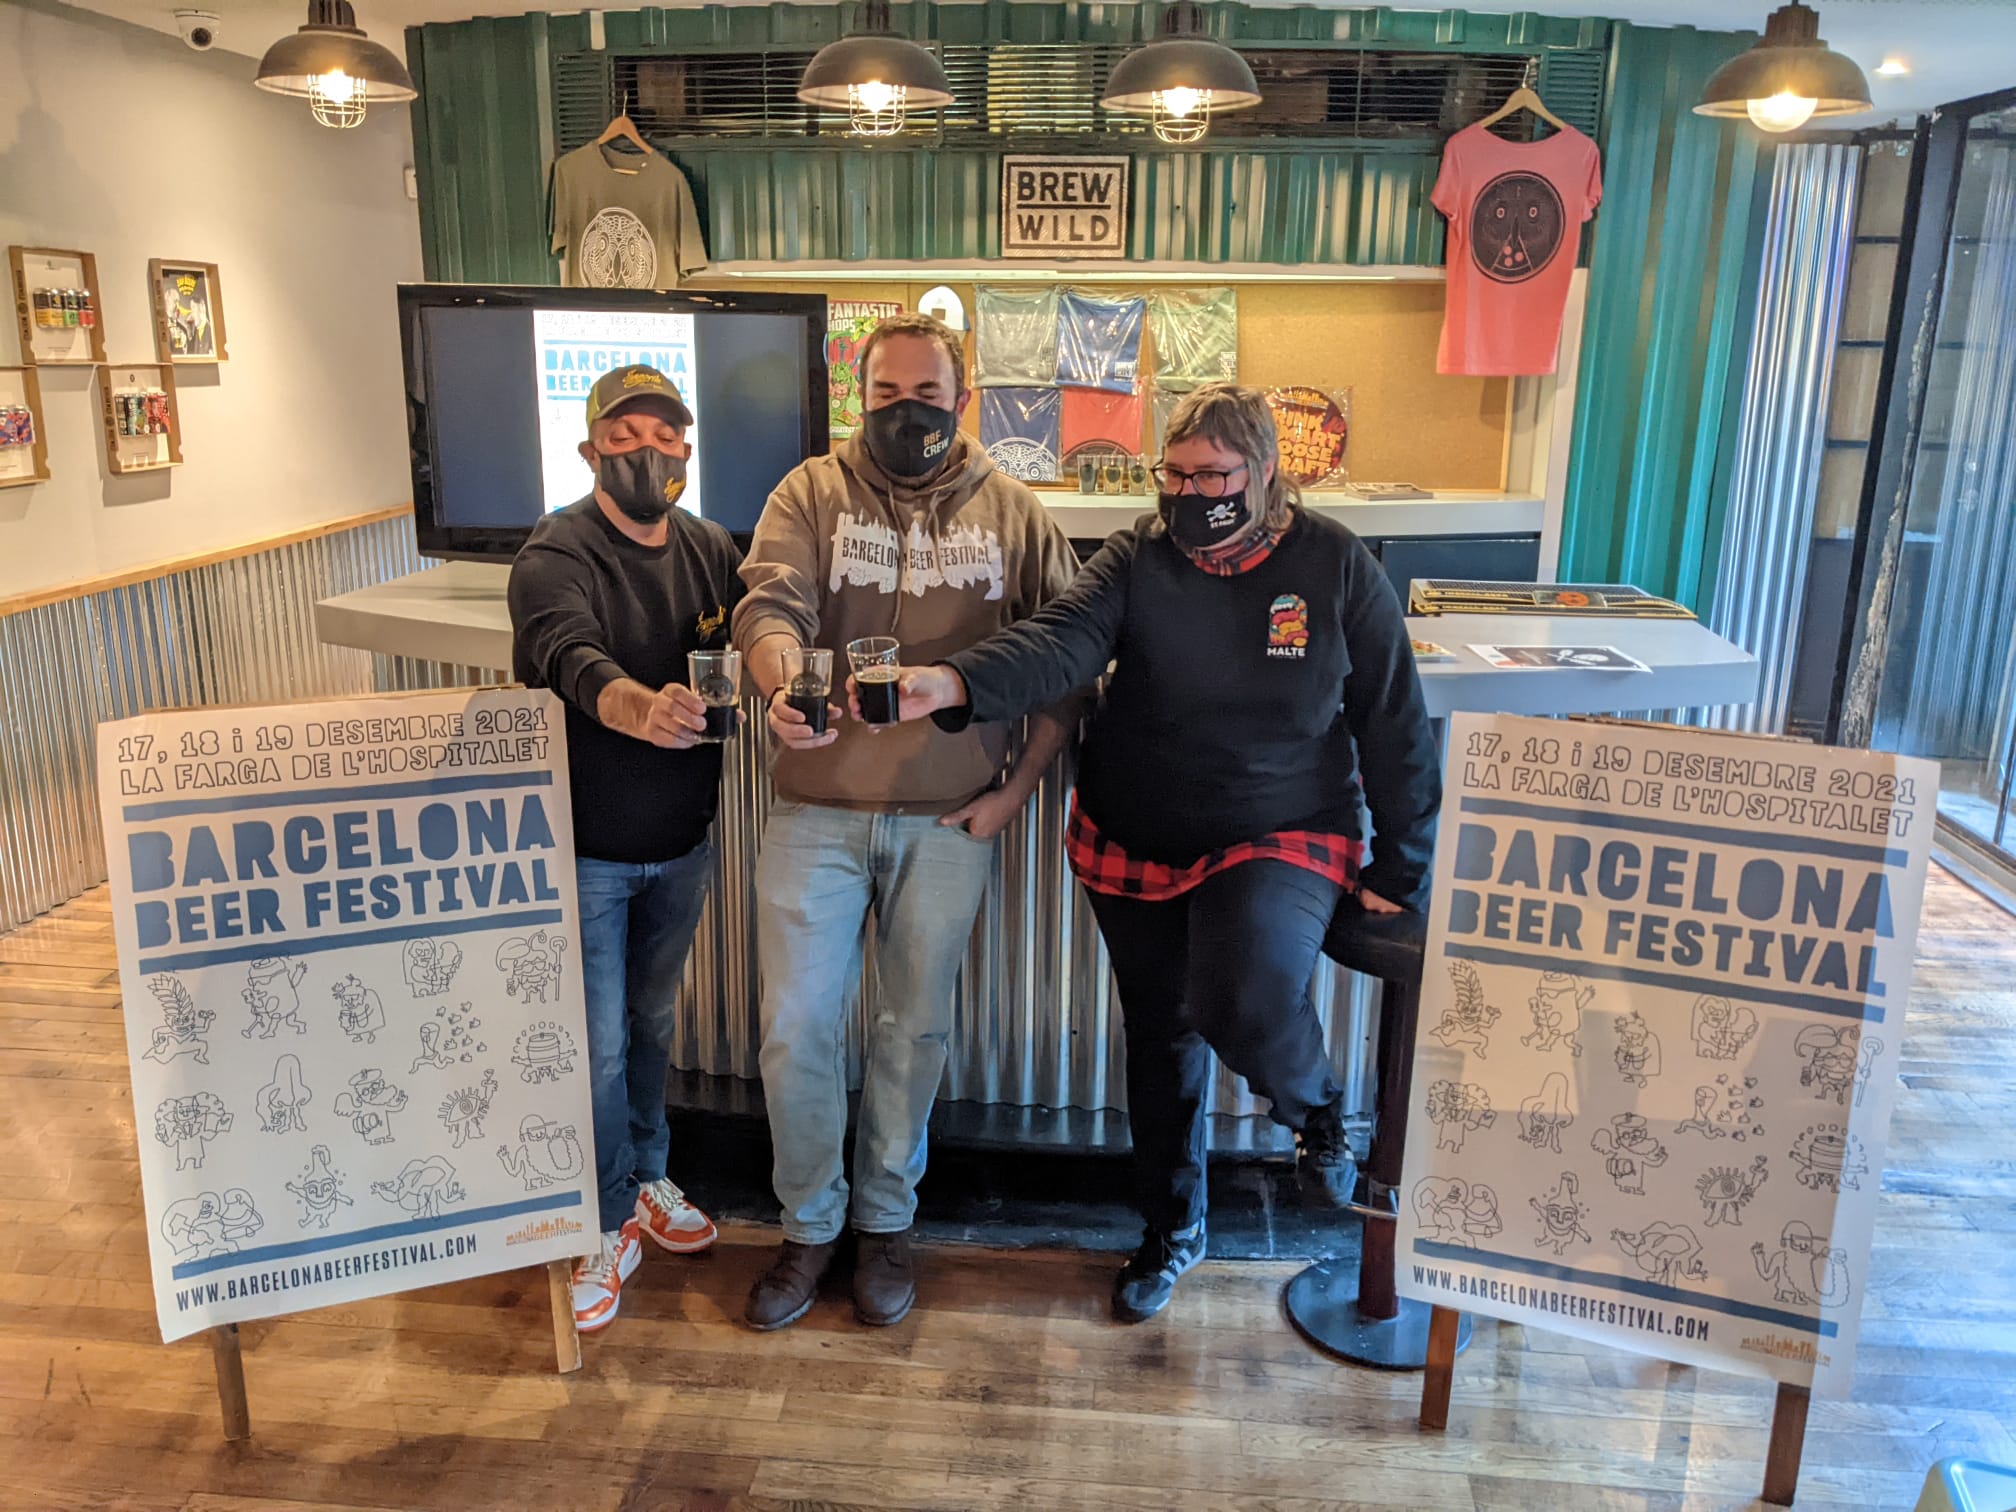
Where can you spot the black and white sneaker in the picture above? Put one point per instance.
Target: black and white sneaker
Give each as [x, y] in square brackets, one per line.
[1324, 1168]
[1145, 1283]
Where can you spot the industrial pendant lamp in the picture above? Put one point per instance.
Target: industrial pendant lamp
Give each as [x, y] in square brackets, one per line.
[877, 77]
[1788, 78]
[334, 66]
[1182, 79]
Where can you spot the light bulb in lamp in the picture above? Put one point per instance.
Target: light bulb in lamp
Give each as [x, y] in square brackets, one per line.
[336, 99]
[1783, 111]
[1181, 114]
[875, 108]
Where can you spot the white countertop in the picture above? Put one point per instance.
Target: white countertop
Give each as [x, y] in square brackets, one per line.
[455, 613]
[1450, 512]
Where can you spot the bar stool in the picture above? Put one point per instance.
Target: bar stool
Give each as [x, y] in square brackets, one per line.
[1357, 1316]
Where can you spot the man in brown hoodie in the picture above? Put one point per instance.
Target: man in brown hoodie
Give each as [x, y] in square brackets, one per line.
[906, 530]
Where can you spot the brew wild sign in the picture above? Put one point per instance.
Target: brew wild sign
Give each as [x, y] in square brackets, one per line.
[1064, 207]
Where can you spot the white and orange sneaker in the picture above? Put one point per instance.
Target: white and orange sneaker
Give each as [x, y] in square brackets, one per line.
[672, 1222]
[599, 1278]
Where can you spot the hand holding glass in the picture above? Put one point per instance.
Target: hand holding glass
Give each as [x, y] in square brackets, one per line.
[716, 676]
[808, 683]
[875, 670]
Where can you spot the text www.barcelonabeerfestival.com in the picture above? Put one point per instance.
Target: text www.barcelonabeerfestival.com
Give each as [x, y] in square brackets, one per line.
[285, 1278]
[1650, 1320]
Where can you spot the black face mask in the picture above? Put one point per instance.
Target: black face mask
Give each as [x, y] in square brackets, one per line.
[644, 484]
[1197, 524]
[909, 439]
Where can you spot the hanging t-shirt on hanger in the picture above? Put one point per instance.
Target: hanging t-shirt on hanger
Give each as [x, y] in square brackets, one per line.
[1515, 210]
[623, 220]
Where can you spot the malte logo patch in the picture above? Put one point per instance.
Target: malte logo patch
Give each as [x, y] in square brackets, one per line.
[1287, 626]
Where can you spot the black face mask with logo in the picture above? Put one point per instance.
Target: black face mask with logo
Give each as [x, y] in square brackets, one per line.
[909, 439]
[1198, 524]
[644, 483]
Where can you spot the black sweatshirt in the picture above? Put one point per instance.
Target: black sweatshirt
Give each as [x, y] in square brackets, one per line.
[1233, 706]
[590, 605]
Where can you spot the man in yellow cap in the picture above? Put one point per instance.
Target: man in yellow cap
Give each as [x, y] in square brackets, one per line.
[607, 598]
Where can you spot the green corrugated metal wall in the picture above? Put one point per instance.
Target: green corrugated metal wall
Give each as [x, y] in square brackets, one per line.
[1666, 330]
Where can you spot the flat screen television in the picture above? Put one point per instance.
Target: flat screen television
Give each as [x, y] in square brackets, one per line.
[497, 384]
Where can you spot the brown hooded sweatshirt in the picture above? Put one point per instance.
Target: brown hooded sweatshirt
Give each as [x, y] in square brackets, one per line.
[843, 551]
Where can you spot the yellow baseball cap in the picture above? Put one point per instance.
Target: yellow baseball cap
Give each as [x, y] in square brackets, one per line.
[635, 387]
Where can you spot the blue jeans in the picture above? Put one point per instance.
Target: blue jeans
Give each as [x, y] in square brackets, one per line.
[637, 923]
[820, 871]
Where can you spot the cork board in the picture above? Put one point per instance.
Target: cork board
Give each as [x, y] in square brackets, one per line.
[1408, 423]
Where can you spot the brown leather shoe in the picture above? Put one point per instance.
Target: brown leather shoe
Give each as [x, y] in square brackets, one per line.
[885, 1278]
[786, 1291]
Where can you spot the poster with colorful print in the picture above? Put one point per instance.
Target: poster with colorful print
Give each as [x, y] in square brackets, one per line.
[1661, 1011]
[848, 322]
[354, 1019]
[1312, 427]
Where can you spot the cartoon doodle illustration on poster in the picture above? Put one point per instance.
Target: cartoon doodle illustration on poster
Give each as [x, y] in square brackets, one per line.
[1453, 1211]
[1703, 1121]
[1544, 1115]
[281, 1100]
[1832, 1057]
[449, 1037]
[188, 1123]
[1561, 1216]
[531, 965]
[1829, 1158]
[184, 1028]
[464, 1109]
[1721, 1029]
[369, 1105]
[319, 1189]
[1457, 1108]
[429, 966]
[1665, 1252]
[204, 1225]
[1729, 1109]
[547, 1153]
[1470, 1020]
[273, 993]
[544, 1053]
[1726, 1190]
[422, 1187]
[1804, 1269]
[1556, 1006]
[1871, 1048]
[1637, 1052]
[360, 1012]
[1628, 1150]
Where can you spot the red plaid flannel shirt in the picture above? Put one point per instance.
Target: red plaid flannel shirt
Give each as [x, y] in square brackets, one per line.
[1105, 868]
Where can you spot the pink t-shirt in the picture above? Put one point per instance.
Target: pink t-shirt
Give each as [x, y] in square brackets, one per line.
[1514, 209]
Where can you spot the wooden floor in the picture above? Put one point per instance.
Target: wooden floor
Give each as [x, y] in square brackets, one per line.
[1006, 1388]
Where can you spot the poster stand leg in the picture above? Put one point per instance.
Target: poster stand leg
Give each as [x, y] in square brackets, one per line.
[1788, 1444]
[1443, 1324]
[566, 1338]
[231, 1382]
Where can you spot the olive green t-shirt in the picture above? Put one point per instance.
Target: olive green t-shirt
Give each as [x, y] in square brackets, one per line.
[623, 221]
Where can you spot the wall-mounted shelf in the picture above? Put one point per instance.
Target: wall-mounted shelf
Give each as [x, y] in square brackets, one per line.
[1133, 273]
[150, 452]
[78, 337]
[22, 464]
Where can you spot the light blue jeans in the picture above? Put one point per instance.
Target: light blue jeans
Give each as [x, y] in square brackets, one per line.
[637, 923]
[820, 872]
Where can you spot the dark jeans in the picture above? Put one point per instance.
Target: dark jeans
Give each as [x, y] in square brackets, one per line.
[1224, 967]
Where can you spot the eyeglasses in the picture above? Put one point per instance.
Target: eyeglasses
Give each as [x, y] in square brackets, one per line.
[1209, 482]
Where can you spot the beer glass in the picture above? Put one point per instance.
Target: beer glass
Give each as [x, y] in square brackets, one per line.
[808, 683]
[875, 668]
[717, 677]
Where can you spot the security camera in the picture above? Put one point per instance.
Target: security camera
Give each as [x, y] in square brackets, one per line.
[199, 28]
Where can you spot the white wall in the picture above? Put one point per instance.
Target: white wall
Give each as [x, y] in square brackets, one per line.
[121, 142]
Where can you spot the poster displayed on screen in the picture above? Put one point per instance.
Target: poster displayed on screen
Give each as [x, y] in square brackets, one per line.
[576, 347]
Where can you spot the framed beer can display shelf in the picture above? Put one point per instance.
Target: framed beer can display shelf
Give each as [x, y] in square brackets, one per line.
[57, 303]
[143, 422]
[188, 311]
[24, 450]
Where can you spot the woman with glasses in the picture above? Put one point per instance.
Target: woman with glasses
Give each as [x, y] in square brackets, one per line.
[1263, 698]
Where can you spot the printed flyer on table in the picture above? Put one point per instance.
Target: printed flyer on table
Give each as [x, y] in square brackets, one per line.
[353, 1008]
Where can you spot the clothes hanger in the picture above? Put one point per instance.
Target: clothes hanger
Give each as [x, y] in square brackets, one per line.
[1524, 98]
[624, 129]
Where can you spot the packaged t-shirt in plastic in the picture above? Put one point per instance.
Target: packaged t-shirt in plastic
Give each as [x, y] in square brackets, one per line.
[1196, 336]
[1014, 337]
[1099, 341]
[1095, 417]
[1019, 427]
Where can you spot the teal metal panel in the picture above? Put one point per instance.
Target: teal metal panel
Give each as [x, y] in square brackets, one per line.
[1666, 288]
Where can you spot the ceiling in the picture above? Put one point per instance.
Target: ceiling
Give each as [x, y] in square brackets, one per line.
[1954, 48]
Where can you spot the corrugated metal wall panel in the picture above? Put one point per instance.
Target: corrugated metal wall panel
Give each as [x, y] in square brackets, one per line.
[1767, 542]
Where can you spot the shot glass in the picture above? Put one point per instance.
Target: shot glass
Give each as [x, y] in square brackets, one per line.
[717, 677]
[874, 660]
[808, 683]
